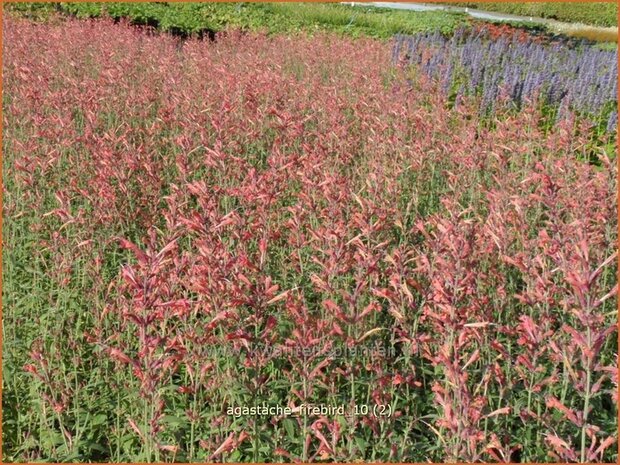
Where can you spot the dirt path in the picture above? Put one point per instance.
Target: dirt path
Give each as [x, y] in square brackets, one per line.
[596, 33]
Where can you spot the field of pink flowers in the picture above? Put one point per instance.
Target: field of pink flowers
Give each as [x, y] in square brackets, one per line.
[191, 228]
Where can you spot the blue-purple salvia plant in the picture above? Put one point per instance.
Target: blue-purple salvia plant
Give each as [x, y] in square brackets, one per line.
[581, 79]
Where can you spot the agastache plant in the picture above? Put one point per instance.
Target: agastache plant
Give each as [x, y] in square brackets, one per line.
[195, 227]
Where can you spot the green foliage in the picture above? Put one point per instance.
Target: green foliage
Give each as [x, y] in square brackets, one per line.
[201, 18]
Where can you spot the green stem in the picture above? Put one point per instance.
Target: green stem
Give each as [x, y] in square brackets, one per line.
[304, 456]
[147, 444]
[586, 402]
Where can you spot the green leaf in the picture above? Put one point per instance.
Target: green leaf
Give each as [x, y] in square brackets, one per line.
[289, 426]
[173, 420]
[361, 444]
[99, 419]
